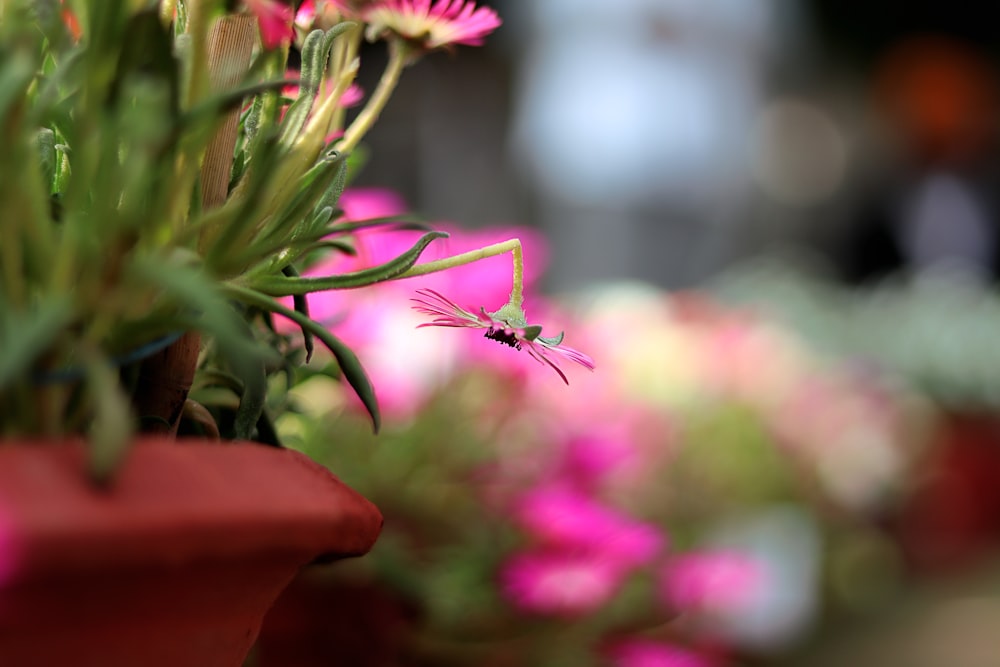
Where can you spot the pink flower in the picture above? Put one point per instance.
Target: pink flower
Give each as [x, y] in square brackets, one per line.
[506, 326]
[369, 203]
[712, 581]
[349, 98]
[434, 26]
[559, 583]
[322, 14]
[568, 520]
[275, 21]
[646, 653]
[351, 9]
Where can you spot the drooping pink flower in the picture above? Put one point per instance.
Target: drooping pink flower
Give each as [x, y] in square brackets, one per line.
[568, 520]
[562, 584]
[275, 20]
[711, 581]
[506, 326]
[443, 23]
[377, 323]
[647, 653]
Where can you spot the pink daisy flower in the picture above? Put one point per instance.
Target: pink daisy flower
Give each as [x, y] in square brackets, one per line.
[432, 26]
[275, 21]
[506, 326]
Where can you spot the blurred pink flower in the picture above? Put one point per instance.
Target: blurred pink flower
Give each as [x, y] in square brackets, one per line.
[350, 9]
[349, 98]
[322, 14]
[590, 458]
[507, 330]
[711, 581]
[369, 203]
[559, 583]
[566, 519]
[436, 25]
[646, 653]
[275, 21]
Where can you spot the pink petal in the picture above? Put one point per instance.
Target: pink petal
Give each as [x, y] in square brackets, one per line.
[275, 21]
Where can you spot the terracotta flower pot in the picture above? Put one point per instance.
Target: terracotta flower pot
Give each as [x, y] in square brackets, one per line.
[175, 565]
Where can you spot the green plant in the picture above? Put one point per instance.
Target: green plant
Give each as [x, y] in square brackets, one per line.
[158, 188]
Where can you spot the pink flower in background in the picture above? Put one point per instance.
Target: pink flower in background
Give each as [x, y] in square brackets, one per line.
[369, 203]
[275, 21]
[349, 98]
[712, 581]
[436, 25]
[322, 14]
[568, 520]
[510, 331]
[646, 653]
[559, 583]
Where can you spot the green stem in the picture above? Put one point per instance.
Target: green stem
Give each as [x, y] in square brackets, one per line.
[512, 246]
[399, 54]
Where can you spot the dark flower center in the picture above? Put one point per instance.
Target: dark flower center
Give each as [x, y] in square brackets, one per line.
[502, 336]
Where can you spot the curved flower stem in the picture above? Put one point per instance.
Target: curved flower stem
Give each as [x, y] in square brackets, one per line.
[513, 246]
[399, 55]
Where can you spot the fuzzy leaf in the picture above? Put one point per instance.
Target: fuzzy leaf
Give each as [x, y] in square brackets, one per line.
[284, 286]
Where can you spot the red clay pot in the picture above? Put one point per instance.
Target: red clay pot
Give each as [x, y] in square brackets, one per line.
[175, 565]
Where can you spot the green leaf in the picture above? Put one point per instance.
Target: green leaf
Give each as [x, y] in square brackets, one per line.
[113, 425]
[311, 75]
[254, 376]
[284, 286]
[553, 340]
[196, 293]
[397, 222]
[349, 364]
[23, 339]
[301, 306]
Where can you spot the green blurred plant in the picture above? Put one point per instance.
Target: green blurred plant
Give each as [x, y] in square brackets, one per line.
[112, 246]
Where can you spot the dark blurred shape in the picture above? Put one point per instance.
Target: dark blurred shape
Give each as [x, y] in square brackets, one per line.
[941, 96]
[936, 205]
[953, 518]
[323, 621]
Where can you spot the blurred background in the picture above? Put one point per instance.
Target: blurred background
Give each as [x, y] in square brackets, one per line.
[774, 225]
[666, 140]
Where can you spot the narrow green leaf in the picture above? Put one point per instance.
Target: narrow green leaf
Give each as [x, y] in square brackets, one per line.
[23, 339]
[301, 306]
[252, 398]
[113, 425]
[311, 74]
[193, 291]
[349, 363]
[284, 286]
